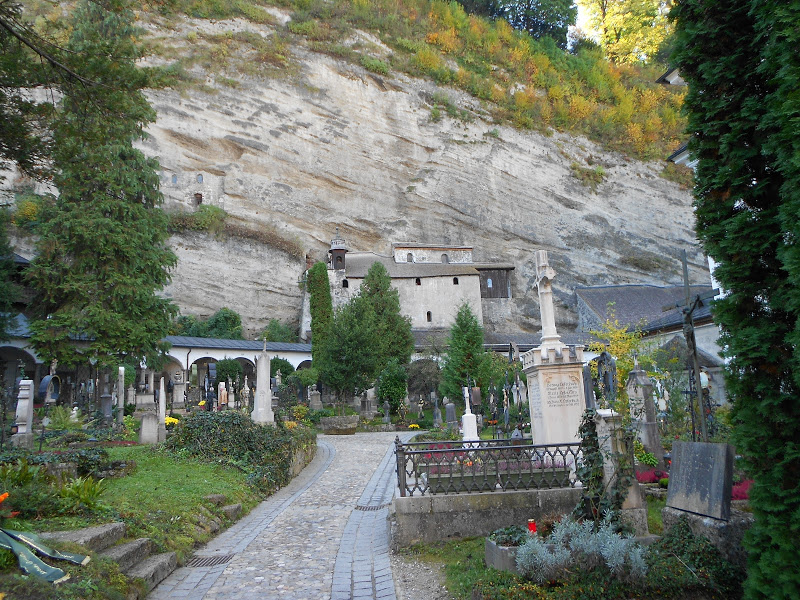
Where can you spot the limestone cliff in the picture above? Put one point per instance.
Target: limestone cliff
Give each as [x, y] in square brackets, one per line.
[333, 145]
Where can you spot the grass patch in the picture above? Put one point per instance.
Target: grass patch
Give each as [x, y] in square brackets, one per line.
[590, 177]
[654, 522]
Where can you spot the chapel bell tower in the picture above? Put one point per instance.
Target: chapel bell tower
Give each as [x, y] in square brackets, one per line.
[338, 251]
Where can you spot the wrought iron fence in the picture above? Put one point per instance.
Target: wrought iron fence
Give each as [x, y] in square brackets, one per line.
[453, 467]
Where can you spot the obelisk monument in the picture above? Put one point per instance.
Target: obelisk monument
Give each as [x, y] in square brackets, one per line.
[554, 371]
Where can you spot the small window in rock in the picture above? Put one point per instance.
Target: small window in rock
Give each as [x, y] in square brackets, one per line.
[489, 283]
[174, 179]
[455, 280]
[198, 198]
[445, 259]
[409, 257]
[429, 316]
[345, 283]
[200, 178]
[418, 281]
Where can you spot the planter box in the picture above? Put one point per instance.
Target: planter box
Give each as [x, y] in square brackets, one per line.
[535, 479]
[502, 558]
[339, 425]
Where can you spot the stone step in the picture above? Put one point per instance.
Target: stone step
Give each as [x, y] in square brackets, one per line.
[232, 511]
[154, 569]
[130, 554]
[95, 538]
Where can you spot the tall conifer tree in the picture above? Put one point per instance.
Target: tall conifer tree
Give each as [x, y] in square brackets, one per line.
[393, 330]
[741, 63]
[465, 354]
[103, 256]
[320, 306]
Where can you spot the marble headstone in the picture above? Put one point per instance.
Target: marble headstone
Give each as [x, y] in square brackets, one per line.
[148, 433]
[450, 414]
[701, 479]
[24, 420]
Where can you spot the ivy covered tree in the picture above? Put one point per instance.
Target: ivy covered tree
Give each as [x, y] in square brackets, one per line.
[465, 355]
[742, 67]
[102, 256]
[393, 331]
[321, 307]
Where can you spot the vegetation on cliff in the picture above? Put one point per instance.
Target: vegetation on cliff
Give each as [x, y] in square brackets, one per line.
[530, 83]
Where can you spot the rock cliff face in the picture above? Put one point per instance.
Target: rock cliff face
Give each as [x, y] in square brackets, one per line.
[336, 146]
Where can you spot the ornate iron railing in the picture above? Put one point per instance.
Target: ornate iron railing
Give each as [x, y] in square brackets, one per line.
[453, 467]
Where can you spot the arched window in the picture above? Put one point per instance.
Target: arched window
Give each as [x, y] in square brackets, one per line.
[455, 280]
[418, 281]
[200, 178]
[409, 257]
[345, 283]
[174, 178]
[338, 260]
[428, 316]
[489, 283]
[445, 259]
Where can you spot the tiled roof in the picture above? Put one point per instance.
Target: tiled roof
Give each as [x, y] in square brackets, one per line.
[358, 263]
[635, 304]
[424, 338]
[199, 342]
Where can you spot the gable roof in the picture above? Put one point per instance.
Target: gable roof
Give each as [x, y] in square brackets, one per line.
[222, 344]
[357, 264]
[634, 304]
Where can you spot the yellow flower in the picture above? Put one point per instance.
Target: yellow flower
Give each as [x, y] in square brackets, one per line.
[290, 424]
[413, 426]
[171, 421]
[201, 403]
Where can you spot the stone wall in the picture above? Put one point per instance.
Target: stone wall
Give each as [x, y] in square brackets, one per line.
[442, 517]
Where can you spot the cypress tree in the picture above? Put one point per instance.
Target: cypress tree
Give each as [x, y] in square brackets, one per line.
[742, 66]
[465, 354]
[102, 256]
[393, 330]
[321, 307]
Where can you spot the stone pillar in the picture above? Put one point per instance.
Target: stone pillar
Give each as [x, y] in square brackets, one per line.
[262, 411]
[24, 421]
[162, 411]
[612, 446]
[643, 412]
[555, 373]
[120, 395]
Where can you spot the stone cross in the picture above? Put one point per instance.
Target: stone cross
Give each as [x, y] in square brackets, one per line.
[544, 277]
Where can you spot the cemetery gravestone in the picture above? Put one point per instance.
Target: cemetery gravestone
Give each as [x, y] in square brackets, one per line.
[120, 395]
[148, 433]
[701, 479]
[437, 413]
[386, 419]
[315, 401]
[450, 414]
[262, 411]
[162, 412]
[555, 373]
[24, 421]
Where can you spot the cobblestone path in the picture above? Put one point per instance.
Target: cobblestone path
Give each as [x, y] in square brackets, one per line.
[324, 536]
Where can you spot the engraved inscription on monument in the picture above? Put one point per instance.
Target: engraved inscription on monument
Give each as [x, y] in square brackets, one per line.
[563, 392]
[535, 397]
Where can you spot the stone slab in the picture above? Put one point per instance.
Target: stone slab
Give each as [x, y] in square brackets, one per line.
[95, 538]
[701, 479]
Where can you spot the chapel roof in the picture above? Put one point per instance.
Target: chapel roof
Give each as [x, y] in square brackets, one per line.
[635, 304]
[358, 263]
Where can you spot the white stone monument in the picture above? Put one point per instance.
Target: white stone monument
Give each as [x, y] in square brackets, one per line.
[262, 411]
[24, 421]
[162, 411]
[554, 371]
[469, 424]
[120, 395]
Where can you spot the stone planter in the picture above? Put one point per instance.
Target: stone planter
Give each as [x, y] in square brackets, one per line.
[339, 425]
[502, 558]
